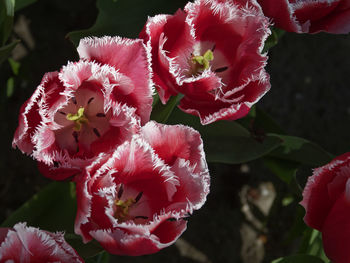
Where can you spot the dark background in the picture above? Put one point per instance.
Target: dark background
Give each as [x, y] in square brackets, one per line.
[309, 98]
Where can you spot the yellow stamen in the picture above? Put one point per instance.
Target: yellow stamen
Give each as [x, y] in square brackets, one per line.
[122, 210]
[204, 60]
[79, 118]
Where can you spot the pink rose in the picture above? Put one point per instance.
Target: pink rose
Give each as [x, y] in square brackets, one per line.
[210, 53]
[137, 200]
[309, 16]
[87, 108]
[28, 244]
[327, 204]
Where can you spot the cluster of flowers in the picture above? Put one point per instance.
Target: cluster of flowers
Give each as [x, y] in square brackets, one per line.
[138, 180]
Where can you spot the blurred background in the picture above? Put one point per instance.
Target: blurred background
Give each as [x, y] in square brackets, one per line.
[249, 212]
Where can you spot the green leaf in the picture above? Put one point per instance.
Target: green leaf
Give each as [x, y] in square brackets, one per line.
[217, 129]
[125, 17]
[14, 66]
[301, 258]
[234, 150]
[298, 228]
[10, 87]
[87, 250]
[53, 209]
[273, 39]
[156, 100]
[259, 121]
[284, 169]
[265, 121]
[102, 257]
[300, 150]
[7, 10]
[227, 141]
[5, 51]
[23, 3]
[160, 113]
[312, 244]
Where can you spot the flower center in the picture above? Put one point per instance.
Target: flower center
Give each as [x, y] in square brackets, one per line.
[202, 63]
[79, 118]
[122, 208]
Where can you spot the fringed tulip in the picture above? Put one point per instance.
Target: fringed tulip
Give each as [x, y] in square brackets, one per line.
[211, 54]
[137, 201]
[86, 109]
[24, 244]
[327, 204]
[309, 16]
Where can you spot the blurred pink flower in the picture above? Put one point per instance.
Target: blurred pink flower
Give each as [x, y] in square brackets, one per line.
[136, 201]
[28, 244]
[309, 16]
[327, 204]
[87, 108]
[210, 53]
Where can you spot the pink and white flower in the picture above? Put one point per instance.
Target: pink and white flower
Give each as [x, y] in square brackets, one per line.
[87, 108]
[131, 60]
[210, 53]
[136, 201]
[327, 204]
[28, 244]
[309, 16]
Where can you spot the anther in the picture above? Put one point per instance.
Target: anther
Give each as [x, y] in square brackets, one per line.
[171, 219]
[100, 115]
[120, 191]
[141, 217]
[55, 164]
[63, 113]
[96, 132]
[91, 99]
[75, 135]
[138, 197]
[203, 61]
[74, 100]
[213, 48]
[218, 70]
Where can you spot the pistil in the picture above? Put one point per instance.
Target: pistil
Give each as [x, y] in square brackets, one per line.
[78, 118]
[123, 207]
[203, 62]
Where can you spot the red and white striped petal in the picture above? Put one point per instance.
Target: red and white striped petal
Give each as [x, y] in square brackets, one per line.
[326, 199]
[129, 58]
[62, 145]
[134, 200]
[309, 16]
[234, 78]
[29, 244]
[172, 142]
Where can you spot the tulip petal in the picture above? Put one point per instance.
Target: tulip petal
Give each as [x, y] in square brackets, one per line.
[134, 200]
[226, 82]
[130, 58]
[28, 244]
[336, 231]
[323, 188]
